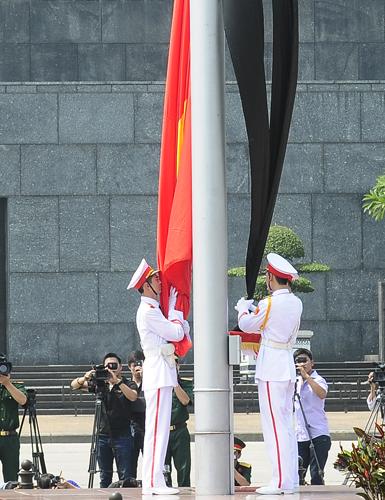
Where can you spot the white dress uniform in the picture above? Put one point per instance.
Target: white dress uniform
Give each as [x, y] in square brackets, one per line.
[275, 375]
[159, 378]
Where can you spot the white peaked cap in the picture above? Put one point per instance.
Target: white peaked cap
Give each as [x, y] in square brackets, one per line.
[143, 272]
[281, 267]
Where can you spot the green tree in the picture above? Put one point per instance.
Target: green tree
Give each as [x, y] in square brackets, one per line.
[285, 242]
[374, 201]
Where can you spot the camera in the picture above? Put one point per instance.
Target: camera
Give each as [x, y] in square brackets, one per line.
[138, 362]
[379, 375]
[48, 481]
[5, 365]
[301, 359]
[99, 378]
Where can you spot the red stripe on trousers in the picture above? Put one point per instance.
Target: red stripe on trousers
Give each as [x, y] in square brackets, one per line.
[276, 436]
[155, 431]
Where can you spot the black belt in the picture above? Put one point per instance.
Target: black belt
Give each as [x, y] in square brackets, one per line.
[177, 426]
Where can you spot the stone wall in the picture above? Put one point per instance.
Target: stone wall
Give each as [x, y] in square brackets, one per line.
[79, 169]
[116, 40]
[79, 166]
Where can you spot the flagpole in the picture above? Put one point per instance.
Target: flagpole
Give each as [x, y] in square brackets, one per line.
[213, 438]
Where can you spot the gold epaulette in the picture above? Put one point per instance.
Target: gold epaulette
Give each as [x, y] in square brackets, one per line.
[244, 464]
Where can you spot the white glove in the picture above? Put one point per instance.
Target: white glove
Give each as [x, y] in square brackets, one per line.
[172, 298]
[244, 305]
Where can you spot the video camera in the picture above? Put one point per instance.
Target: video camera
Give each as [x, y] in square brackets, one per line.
[99, 379]
[379, 375]
[48, 481]
[5, 365]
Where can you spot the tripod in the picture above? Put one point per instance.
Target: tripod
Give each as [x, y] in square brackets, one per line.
[376, 417]
[378, 413]
[34, 432]
[313, 453]
[95, 438]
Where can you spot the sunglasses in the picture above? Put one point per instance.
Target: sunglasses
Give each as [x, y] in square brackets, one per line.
[112, 366]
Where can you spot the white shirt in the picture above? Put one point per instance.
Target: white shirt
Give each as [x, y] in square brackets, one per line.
[282, 326]
[155, 330]
[314, 409]
[371, 402]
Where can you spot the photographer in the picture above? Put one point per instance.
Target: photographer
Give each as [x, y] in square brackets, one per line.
[115, 437]
[135, 365]
[12, 394]
[372, 397]
[312, 389]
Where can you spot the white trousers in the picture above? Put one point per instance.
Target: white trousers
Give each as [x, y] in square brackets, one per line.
[277, 419]
[157, 431]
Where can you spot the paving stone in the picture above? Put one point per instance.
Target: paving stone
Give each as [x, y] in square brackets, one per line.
[146, 62]
[349, 20]
[116, 303]
[353, 168]
[373, 243]
[55, 298]
[98, 118]
[235, 123]
[129, 243]
[14, 21]
[58, 169]
[87, 344]
[54, 62]
[372, 61]
[303, 169]
[14, 62]
[294, 211]
[9, 170]
[372, 123]
[21, 89]
[337, 230]
[101, 62]
[128, 169]
[33, 234]
[326, 116]
[131, 21]
[306, 65]
[314, 303]
[344, 303]
[345, 337]
[84, 234]
[237, 168]
[336, 61]
[65, 21]
[30, 119]
[24, 338]
[148, 117]
[238, 213]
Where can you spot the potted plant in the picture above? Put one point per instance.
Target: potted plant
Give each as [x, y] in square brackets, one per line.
[365, 464]
[285, 242]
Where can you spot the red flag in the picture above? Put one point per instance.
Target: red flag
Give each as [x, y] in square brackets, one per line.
[174, 243]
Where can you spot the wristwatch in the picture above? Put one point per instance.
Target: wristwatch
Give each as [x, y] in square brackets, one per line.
[119, 383]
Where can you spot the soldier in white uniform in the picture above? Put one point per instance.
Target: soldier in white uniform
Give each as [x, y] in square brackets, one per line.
[159, 373]
[277, 318]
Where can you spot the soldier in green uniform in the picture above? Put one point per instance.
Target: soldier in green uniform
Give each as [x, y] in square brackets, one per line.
[179, 441]
[12, 394]
[242, 472]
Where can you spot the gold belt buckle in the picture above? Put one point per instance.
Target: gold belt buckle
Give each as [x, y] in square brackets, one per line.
[172, 427]
[4, 433]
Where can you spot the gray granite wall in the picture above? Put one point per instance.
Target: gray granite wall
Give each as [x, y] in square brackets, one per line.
[116, 40]
[79, 167]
